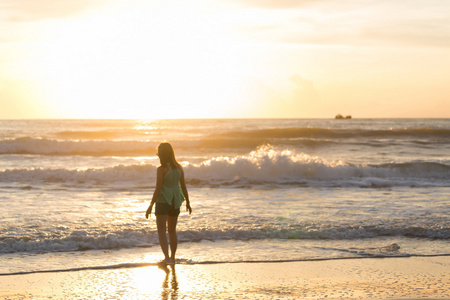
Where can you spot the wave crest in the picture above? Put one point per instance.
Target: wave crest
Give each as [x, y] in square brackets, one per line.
[82, 240]
[44, 146]
[267, 165]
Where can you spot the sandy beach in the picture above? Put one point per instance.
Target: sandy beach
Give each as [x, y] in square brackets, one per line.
[372, 278]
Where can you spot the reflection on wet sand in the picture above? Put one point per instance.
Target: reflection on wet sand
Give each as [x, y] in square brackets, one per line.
[170, 284]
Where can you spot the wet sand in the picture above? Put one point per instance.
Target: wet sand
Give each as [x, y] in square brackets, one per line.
[374, 278]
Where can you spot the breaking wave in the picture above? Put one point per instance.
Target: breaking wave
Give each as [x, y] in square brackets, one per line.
[107, 143]
[82, 240]
[320, 133]
[45, 146]
[265, 166]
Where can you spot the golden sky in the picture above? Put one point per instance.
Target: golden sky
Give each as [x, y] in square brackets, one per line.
[227, 59]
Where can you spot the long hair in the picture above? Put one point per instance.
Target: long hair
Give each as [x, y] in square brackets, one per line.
[167, 155]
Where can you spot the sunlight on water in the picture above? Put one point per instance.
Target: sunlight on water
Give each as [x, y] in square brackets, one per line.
[73, 193]
[148, 280]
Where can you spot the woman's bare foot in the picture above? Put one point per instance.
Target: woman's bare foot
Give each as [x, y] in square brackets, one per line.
[165, 261]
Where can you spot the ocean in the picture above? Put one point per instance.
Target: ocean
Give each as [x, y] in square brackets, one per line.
[73, 193]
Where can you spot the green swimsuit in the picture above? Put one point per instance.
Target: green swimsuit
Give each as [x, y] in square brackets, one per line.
[170, 191]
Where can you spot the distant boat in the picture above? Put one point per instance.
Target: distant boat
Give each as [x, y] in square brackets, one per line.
[341, 117]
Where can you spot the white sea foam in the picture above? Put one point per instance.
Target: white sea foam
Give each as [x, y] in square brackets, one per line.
[291, 189]
[81, 240]
[267, 165]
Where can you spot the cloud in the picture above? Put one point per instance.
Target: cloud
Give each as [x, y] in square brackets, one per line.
[319, 22]
[429, 33]
[304, 89]
[264, 99]
[278, 4]
[349, 23]
[30, 10]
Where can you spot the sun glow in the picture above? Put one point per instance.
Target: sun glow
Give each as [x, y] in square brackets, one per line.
[141, 62]
[146, 59]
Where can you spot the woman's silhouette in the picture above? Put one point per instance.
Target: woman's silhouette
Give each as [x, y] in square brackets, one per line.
[169, 194]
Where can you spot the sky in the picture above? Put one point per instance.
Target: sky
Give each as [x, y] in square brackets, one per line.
[148, 59]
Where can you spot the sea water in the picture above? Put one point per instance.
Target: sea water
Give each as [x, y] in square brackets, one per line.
[73, 193]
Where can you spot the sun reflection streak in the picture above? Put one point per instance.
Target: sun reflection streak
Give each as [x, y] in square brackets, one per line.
[170, 284]
[148, 280]
[152, 281]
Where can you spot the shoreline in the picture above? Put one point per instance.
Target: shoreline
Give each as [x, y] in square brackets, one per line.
[374, 278]
[142, 265]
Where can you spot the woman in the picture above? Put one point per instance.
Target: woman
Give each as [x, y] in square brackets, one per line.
[168, 198]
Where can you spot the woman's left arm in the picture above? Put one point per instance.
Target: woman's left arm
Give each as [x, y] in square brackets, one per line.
[159, 182]
[185, 192]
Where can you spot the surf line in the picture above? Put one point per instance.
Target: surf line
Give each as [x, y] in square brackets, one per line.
[110, 267]
[141, 265]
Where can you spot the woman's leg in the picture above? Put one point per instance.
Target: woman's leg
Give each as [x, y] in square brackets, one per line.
[161, 221]
[172, 224]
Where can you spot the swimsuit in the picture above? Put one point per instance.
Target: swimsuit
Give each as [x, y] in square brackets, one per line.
[171, 197]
